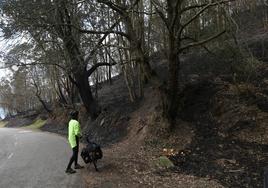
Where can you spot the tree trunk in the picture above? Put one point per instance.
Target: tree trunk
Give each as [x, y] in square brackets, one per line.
[71, 40]
[60, 94]
[86, 94]
[43, 104]
[172, 91]
[81, 78]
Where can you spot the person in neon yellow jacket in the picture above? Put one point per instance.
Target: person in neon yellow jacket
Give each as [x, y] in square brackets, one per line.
[74, 133]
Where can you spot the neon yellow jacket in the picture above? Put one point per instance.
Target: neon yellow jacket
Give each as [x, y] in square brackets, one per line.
[73, 130]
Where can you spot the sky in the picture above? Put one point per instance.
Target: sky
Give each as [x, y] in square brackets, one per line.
[2, 113]
[3, 72]
[5, 45]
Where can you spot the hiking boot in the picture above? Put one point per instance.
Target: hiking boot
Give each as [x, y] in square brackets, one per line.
[78, 166]
[70, 171]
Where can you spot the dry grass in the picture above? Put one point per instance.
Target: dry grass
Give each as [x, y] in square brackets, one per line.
[3, 124]
[37, 124]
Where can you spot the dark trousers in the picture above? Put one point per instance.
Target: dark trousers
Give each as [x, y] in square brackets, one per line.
[74, 157]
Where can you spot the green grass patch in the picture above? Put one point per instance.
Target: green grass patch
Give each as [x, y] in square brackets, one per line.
[37, 124]
[163, 162]
[3, 124]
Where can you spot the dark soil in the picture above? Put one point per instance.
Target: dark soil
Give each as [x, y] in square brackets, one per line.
[111, 125]
[21, 121]
[232, 162]
[109, 128]
[55, 126]
[218, 151]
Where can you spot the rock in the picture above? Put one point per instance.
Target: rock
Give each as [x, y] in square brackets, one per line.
[102, 122]
[193, 78]
[164, 162]
[231, 161]
[265, 81]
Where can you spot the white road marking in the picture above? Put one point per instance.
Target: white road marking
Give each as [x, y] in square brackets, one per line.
[10, 155]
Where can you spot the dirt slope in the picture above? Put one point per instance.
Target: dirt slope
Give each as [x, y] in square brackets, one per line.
[130, 163]
[220, 138]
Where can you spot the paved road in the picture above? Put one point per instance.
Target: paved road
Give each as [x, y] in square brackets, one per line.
[34, 160]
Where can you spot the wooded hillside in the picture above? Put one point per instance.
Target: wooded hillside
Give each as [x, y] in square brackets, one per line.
[62, 50]
[176, 90]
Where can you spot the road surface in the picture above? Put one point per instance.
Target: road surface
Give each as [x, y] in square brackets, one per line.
[30, 159]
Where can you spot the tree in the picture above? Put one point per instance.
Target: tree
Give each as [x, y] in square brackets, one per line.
[79, 41]
[176, 19]
[133, 33]
[65, 30]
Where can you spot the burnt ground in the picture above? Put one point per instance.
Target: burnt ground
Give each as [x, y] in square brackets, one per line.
[221, 136]
[112, 124]
[130, 162]
[230, 143]
[231, 162]
[21, 120]
[56, 126]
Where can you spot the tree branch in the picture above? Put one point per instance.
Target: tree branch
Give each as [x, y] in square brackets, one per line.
[201, 42]
[73, 81]
[134, 4]
[143, 12]
[194, 40]
[94, 67]
[116, 46]
[109, 55]
[103, 32]
[192, 7]
[205, 7]
[85, 31]
[161, 14]
[33, 64]
[100, 42]
[121, 10]
[175, 17]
